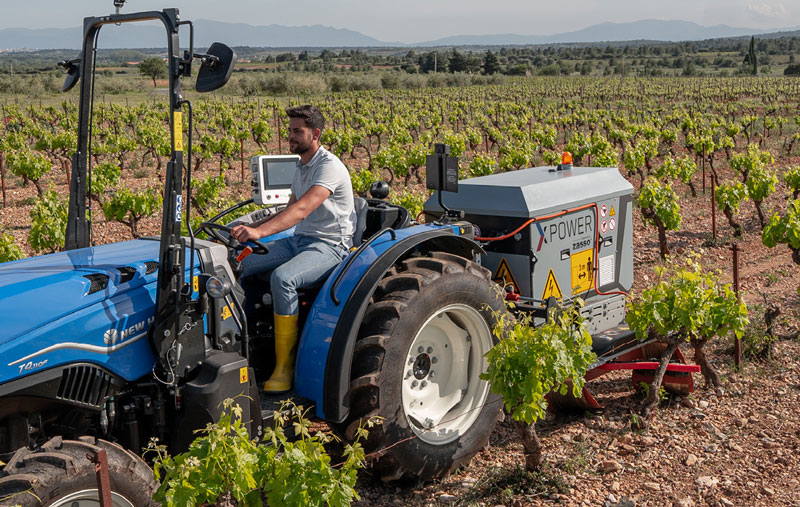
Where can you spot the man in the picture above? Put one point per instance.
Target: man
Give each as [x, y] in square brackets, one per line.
[322, 212]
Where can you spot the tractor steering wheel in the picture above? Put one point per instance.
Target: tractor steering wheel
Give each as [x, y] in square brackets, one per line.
[212, 229]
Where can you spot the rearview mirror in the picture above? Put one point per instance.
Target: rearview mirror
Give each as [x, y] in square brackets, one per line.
[216, 68]
[73, 73]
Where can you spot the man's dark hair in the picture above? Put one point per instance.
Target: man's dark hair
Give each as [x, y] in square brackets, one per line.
[311, 115]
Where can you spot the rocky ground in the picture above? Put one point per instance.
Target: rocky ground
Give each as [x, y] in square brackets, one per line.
[737, 446]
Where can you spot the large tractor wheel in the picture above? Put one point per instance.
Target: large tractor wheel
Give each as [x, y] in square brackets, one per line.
[417, 364]
[61, 474]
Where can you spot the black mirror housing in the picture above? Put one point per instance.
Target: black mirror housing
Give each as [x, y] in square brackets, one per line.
[73, 74]
[215, 71]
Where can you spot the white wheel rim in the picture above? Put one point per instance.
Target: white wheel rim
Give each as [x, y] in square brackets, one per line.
[442, 390]
[91, 498]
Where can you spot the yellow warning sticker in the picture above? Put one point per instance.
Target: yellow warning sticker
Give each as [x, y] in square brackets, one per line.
[551, 288]
[177, 122]
[582, 271]
[504, 277]
[226, 312]
[612, 212]
[195, 284]
[243, 375]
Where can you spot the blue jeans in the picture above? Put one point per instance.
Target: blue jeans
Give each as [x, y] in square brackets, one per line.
[296, 262]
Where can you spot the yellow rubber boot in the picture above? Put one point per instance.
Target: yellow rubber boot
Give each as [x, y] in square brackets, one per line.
[285, 353]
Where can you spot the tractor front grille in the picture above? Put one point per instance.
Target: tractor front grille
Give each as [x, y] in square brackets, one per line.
[86, 385]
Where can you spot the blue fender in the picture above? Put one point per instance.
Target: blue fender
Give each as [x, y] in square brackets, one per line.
[325, 354]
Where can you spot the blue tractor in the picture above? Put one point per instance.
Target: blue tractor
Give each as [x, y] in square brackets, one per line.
[106, 346]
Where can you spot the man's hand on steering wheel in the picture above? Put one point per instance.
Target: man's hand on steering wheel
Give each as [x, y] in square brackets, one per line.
[244, 233]
[231, 241]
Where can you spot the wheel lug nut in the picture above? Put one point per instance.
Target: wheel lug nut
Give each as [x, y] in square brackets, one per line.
[434, 360]
[414, 383]
[409, 373]
[424, 384]
[421, 349]
[432, 374]
[430, 350]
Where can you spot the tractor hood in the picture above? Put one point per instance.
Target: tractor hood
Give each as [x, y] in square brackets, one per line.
[39, 290]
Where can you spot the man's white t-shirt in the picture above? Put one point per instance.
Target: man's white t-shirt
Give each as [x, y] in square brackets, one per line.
[334, 221]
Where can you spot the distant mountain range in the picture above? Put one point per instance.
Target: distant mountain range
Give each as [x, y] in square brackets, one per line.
[650, 29]
[240, 34]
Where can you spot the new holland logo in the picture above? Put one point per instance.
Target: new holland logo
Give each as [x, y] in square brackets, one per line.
[112, 336]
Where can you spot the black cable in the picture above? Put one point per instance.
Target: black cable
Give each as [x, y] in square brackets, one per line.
[188, 189]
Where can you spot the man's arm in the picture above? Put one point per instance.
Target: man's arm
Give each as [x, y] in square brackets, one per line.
[289, 217]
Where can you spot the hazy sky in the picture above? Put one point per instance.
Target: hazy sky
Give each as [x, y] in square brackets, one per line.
[418, 20]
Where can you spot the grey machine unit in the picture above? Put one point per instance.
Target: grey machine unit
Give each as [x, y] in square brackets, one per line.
[579, 245]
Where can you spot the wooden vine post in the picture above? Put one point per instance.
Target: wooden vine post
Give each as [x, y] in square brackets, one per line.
[277, 125]
[703, 165]
[737, 344]
[3, 178]
[713, 205]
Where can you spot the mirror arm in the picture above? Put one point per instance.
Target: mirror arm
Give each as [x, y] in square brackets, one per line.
[210, 61]
[69, 63]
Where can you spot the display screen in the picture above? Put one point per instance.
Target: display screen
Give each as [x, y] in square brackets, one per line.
[278, 174]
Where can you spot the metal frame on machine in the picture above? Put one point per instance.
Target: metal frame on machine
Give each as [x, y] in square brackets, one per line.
[176, 312]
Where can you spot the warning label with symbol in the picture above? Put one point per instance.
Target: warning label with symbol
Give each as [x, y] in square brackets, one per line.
[611, 213]
[551, 288]
[603, 210]
[582, 271]
[226, 312]
[243, 375]
[504, 277]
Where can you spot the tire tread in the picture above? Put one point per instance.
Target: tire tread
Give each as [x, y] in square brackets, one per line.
[391, 297]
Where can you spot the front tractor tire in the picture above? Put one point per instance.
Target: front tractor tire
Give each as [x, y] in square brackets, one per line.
[61, 474]
[417, 363]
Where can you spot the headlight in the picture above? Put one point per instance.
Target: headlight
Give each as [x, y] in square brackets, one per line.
[216, 288]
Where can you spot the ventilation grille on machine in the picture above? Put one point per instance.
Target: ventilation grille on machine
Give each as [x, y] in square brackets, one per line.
[86, 384]
[99, 282]
[150, 267]
[126, 273]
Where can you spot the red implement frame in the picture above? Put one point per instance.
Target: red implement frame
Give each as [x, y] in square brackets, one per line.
[677, 379]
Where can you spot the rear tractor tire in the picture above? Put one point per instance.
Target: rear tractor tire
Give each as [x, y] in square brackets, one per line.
[420, 351]
[61, 474]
